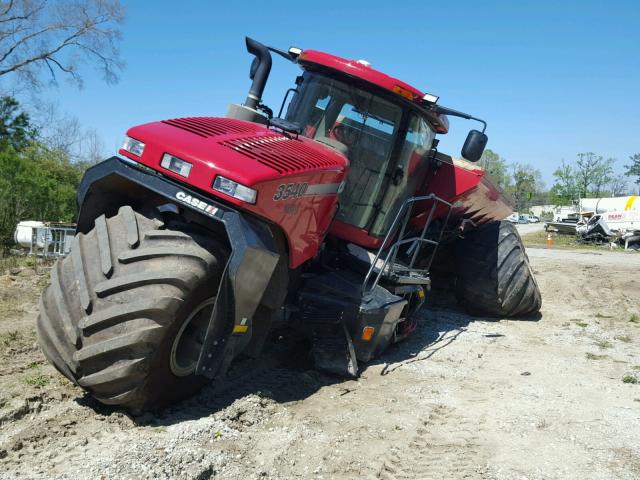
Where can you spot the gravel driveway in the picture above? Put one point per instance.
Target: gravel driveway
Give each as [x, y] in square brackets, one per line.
[551, 397]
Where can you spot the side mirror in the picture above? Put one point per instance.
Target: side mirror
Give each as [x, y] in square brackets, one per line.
[474, 145]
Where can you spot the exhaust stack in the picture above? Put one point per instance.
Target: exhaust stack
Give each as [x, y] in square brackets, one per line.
[259, 73]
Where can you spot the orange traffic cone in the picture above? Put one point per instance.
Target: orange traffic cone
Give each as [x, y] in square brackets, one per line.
[549, 241]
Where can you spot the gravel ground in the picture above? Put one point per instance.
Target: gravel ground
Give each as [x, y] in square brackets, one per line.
[526, 228]
[552, 397]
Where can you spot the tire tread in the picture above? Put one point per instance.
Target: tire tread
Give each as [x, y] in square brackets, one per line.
[102, 321]
[493, 273]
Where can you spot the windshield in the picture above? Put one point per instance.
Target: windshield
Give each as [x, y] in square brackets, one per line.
[361, 125]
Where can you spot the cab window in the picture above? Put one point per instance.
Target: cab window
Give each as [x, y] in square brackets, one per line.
[409, 173]
[359, 124]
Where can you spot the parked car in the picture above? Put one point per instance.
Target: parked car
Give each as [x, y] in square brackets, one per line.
[533, 219]
[523, 218]
[513, 218]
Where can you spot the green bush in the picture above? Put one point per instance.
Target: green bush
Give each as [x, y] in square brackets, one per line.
[37, 182]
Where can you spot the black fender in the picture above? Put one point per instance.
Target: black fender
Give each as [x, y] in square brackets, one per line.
[250, 274]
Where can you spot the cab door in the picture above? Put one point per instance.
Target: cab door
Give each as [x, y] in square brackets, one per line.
[409, 174]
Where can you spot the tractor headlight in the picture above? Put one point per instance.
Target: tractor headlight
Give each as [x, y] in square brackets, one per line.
[131, 145]
[235, 189]
[176, 165]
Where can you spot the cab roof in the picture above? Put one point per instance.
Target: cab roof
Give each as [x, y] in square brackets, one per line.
[363, 70]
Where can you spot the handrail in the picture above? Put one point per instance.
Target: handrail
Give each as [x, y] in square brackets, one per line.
[404, 213]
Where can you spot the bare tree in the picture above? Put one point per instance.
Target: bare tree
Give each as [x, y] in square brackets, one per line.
[55, 37]
[91, 147]
[618, 185]
[603, 175]
[62, 132]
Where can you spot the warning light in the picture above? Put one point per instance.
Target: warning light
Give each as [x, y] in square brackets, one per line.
[367, 333]
[403, 92]
[421, 294]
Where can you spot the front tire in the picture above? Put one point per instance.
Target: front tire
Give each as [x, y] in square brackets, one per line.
[493, 275]
[124, 317]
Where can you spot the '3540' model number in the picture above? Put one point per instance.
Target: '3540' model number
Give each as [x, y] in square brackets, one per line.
[290, 190]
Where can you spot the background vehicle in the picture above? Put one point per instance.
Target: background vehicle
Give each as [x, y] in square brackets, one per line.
[533, 219]
[209, 232]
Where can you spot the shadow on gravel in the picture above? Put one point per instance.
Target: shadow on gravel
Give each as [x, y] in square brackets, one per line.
[284, 373]
[442, 321]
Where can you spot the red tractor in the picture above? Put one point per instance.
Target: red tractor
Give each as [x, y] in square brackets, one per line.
[208, 233]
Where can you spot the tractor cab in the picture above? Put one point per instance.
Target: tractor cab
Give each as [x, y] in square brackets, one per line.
[384, 127]
[387, 144]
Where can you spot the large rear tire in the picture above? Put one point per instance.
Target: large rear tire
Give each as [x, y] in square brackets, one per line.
[125, 314]
[493, 275]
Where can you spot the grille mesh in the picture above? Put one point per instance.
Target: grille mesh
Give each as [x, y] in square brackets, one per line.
[282, 154]
[209, 127]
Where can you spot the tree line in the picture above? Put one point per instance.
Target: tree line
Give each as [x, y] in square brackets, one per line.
[589, 175]
[42, 153]
[39, 179]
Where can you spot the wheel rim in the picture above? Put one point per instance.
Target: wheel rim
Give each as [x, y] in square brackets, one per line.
[188, 342]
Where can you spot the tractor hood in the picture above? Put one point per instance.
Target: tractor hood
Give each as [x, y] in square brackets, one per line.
[242, 151]
[291, 182]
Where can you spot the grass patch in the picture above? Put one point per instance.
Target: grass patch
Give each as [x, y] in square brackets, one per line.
[636, 367]
[37, 380]
[634, 318]
[8, 338]
[623, 338]
[540, 239]
[630, 379]
[15, 340]
[582, 324]
[593, 356]
[11, 262]
[602, 315]
[603, 344]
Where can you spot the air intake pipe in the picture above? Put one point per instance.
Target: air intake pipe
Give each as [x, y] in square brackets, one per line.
[260, 69]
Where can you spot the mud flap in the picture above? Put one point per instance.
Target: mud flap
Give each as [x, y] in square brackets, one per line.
[333, 351]
[245, 279]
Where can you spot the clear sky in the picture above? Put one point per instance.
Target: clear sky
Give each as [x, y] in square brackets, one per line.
[552, 78]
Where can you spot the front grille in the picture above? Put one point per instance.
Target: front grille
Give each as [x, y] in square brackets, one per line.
[210, 126]
[282, 154]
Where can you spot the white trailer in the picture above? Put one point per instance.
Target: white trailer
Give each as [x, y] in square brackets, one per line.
[621, 214]
[47, 239]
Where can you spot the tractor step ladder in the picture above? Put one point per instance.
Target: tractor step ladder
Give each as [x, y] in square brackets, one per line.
[386, 264]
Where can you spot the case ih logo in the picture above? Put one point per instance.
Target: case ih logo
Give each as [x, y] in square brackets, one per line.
[197, 203]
